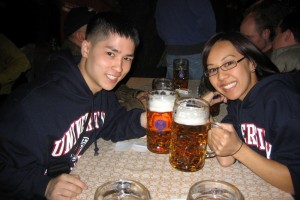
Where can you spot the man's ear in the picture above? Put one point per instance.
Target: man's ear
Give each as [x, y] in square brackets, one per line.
[266, 34]
[288, 35]
[85, 47]
[80, 35]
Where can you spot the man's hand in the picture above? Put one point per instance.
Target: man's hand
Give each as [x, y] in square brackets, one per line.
[65, 186]
[142, 96]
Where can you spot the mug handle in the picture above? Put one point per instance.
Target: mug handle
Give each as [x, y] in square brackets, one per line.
[210, 153]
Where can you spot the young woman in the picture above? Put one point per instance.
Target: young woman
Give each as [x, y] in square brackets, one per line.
[261, 128]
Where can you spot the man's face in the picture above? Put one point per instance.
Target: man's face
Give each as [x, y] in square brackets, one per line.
[106, 62]
[249, 29]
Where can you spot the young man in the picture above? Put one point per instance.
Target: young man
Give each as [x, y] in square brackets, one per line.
[74, 29]
[46, 130]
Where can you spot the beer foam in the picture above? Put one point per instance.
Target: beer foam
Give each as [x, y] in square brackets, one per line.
[161, 104]
[191, 116]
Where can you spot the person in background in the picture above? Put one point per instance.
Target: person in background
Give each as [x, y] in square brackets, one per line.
[184, 26]
[259, 23]
[13, 62]
[46, 128]
[261, 127]
[74, 29]
[286, 44]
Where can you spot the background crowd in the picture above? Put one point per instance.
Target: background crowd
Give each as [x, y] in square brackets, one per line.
[37, 27]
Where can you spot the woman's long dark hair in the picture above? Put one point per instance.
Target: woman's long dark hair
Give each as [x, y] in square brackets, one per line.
[264, 66]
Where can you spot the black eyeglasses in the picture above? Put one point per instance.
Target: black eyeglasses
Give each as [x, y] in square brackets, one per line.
[225, 67]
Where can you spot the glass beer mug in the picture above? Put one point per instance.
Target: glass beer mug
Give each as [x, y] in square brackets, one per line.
[159, 120]
[122, 189]
[181, 73]
[189, 134]
[162, 84]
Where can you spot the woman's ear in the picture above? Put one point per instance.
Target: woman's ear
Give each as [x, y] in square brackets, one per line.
[252, 66]
[85, 47]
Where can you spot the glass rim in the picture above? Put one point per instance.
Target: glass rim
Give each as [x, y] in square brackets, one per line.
[230, 185]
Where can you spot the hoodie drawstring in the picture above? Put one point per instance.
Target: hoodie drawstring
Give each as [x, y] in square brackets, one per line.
[96, 149]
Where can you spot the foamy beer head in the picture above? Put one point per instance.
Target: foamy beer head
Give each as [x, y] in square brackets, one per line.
[161, 100]
[191, 111]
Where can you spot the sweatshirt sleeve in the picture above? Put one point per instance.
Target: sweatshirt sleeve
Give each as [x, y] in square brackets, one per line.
[120, 124]
[22, 174]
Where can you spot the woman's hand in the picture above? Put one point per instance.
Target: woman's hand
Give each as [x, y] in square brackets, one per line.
[224, 140]
[214, 97]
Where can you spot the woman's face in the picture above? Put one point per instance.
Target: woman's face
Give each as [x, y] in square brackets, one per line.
[236, 82]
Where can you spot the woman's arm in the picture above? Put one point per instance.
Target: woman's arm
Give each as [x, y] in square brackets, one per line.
[271, 171]
[226, 144]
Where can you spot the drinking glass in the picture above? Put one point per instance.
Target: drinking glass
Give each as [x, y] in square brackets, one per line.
[159, 120]
[162, 84]
[189, 134]
[180, 73]
[122, 189]
[214, 189]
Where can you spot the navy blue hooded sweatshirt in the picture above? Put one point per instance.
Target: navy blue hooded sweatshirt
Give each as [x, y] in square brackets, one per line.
[42, 124]
[268, 121]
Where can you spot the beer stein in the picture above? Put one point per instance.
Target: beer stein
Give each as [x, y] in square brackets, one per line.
[189, 134]
[159, 120]
[180, 73]
[122, 189]
[162, 84]
[214, 189]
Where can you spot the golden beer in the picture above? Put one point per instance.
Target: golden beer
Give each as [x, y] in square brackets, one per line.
[159, 120]
[189, 134]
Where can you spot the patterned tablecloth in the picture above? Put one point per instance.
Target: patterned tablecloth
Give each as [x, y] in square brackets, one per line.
[163, 181]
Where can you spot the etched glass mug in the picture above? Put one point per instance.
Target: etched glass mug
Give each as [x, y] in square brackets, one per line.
[162, 84]
[180, 73]
[214, 189]
[122, 189]
[189, 134]
[159, 120]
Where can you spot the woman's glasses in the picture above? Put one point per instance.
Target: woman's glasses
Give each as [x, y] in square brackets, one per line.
[225, 67]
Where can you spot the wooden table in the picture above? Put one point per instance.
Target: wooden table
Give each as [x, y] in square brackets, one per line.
[155, 172]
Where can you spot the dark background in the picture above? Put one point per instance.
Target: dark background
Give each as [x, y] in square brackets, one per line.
[39, 22]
